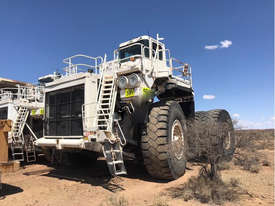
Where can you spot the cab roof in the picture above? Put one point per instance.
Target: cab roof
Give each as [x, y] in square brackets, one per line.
[138, 39]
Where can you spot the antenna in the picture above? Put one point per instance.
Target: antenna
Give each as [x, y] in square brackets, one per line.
[159, 38]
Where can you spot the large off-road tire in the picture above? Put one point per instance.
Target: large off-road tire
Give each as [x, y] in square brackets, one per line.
[223, 119]
[215, 123]
[163, 142]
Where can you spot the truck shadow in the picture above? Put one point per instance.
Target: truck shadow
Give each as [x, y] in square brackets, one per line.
[96, 174]
[8, 189]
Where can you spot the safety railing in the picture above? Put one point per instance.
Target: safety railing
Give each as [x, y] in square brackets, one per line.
[181, 70]
[26, 94]
[93, 63]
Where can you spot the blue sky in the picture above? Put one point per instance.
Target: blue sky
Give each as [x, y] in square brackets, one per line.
[36, 35]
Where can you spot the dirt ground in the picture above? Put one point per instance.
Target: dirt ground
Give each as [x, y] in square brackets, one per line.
[42, 185]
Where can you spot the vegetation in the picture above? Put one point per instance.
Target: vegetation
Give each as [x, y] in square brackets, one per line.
[160, 201]
[248, 144]
[115, 201]
[208, 190]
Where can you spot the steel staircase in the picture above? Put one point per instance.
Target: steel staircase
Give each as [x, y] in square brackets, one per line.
[106, 103]
[17, 146]
[112, 148]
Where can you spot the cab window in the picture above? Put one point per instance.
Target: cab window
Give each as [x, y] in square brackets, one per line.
[134, 50]
[154, 47]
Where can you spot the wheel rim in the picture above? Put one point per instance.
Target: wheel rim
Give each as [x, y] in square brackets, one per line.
[227, 141]
[177, 139]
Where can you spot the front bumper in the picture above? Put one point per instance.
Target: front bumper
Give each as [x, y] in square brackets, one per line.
[68, 144]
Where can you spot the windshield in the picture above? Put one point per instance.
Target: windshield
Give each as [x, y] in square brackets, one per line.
[133, 50]
[130, 51]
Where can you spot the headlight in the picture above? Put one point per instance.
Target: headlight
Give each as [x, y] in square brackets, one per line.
[134, 80]
[122, 82]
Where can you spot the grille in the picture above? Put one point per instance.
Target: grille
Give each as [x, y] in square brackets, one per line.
[63, 112]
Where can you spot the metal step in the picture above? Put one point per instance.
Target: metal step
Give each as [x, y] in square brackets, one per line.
[107, 85]
[114, 158]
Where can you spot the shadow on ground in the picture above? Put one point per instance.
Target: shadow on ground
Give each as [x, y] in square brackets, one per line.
[96, 174]
[9, 190]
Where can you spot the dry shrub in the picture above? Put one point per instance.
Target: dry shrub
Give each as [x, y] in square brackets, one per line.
[243, 139]
[223, 166]
[248, 142]
[248, 159]
[160, 201]
[255, 139]
[208, 190]
[115, 201]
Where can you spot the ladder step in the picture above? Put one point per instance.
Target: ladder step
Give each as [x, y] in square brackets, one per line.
[105, 96]
[115, 162]
[121, 173]
[107, 85]
[30, 156]
[107, 89]
[108, 152]
[108, 77]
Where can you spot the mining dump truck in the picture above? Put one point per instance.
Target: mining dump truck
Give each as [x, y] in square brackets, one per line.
[22, 103]
[141, 103]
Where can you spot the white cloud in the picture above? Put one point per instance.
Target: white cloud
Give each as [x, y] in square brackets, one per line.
[211, 47]
[209, 96]
[236, 115]
[225, 44]
[265, 124]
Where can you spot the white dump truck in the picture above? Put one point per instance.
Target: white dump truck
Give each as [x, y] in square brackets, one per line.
[23, 103]
[139, 103]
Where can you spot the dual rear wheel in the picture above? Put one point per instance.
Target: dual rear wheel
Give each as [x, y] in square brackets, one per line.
[164, 142]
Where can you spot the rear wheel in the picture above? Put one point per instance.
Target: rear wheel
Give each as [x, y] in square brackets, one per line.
[214, 123]
[223, 119]
[164, 142]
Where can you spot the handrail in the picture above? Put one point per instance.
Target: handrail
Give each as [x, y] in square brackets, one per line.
[186, 75]
[73, 68]
[30, 94]
[80, 55]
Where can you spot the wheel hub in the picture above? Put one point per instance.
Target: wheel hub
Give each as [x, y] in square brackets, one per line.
[177, 139]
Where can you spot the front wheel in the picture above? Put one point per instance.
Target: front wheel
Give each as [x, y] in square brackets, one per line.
[164, 142]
